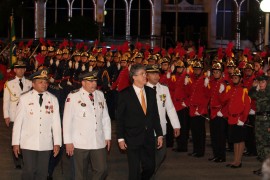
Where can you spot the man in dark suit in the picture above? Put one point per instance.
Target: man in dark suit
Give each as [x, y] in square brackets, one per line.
[138, 121]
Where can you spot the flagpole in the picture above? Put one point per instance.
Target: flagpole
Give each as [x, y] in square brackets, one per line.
[12, 39]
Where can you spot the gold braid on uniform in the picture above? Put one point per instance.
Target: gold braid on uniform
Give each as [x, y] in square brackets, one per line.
[11, 94]
[173, 78]
[228, 88]
[105, 73]
[245, 91]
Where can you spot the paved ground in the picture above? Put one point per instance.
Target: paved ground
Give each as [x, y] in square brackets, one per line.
[176, 166]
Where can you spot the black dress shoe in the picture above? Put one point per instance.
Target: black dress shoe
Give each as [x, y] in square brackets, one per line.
[179, 150]
[259, 159]
[18, 167]
[219, 160]
[198, 155]
[248, 154]
[192, 154]
[228, 165]
[257, 171]
[49, 178]
[212, 159]
[229, 149]
[234, 166]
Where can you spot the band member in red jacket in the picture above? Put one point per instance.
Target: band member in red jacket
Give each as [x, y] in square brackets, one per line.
[238, 104]
[218, 123]
[181, 102]
[198, 89]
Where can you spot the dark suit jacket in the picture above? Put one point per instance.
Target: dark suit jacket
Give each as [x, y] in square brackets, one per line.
[133, 125]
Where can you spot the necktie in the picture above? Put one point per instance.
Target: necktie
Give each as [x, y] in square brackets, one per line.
[21, 84]
[155, 88]
[91, 96]
[40, 99]
[143, 102]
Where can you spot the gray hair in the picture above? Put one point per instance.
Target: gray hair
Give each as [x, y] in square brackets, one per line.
[134, 70]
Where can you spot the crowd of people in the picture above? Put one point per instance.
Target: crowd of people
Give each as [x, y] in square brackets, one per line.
[156, 95]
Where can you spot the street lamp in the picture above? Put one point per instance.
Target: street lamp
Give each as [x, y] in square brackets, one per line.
[265, 7]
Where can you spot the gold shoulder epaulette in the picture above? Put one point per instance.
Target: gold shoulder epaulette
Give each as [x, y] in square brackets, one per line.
[228, 88]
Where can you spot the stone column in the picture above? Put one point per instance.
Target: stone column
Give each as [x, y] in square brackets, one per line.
[40, 18]
[156, 22]
[210, 7]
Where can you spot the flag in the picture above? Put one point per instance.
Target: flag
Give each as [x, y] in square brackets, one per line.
[12, 39]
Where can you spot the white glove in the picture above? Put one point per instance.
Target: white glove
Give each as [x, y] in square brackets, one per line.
[240, 123]
[257, 88]
[208, 73]
[206, 82]
[184, 104]
[69, 83]
[172, 68]
[90, 68]
[186, 80]
[187, 70]
[219, 114]
[221, 88]
[168, 75]
[51, 80]
[251, 112]
[196, 113]
[108, 64]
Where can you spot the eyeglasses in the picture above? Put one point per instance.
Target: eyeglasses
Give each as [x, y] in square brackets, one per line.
[141, 74]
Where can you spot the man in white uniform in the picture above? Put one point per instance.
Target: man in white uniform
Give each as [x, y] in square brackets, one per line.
[37, 128]
[165, 105]
[87, 128]
[12, 92]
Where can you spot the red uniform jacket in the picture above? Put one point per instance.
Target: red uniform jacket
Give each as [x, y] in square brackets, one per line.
[198, 95]
[172, 83]
[216, 103]
[227, 78]
[238, 103]
[122, 80]
[163, 79]
[258, 73]
[180, 93]
[4, 76]
[247, 82]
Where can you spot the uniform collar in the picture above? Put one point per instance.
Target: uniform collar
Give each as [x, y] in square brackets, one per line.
[85, 92]
[17, 78]
[151, 85]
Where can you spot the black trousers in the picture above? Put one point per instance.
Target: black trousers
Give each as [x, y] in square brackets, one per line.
[218, 131]
[54, 161]
[197, 125]
[250, 141]
[17, 161]
[141, 162]
[170, 133]
[35, 164]
[182, 140]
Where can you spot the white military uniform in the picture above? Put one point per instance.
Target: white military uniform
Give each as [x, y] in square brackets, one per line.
[12, 93]
[37, 127]
[165, 104]
[85, 125]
